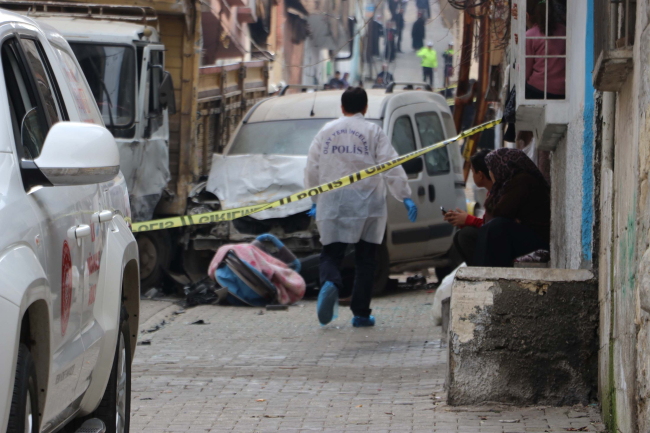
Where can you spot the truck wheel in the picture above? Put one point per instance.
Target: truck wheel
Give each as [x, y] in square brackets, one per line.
[23, 415]
[383, 269]
[115, 407]
[155, 256]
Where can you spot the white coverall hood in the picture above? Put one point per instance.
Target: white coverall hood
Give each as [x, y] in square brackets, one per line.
[358, 211]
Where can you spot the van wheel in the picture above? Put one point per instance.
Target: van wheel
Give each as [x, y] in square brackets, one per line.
[155, 256]
[115, 407]
[23, 415]
[383, 269]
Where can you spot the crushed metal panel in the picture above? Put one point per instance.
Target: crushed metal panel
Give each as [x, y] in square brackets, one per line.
[145, 167]
[244, 180]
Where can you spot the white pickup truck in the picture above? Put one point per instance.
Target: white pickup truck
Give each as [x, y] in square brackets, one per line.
[69, 283]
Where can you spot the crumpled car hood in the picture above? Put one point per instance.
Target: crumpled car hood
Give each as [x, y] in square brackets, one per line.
[244, 180]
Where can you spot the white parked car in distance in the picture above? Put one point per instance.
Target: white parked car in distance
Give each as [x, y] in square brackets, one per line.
[69, 291]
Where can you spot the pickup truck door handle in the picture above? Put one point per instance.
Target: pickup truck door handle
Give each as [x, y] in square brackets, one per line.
[102, 217]
[432, 193]
[78, 232]
[421, 191]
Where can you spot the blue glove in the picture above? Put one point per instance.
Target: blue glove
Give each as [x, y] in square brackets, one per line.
[312, 211]
[270, 238]
[412, 209]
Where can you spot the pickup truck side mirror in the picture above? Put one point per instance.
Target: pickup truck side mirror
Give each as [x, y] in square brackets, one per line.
[76, 153]
[413, 166]
[166, 91]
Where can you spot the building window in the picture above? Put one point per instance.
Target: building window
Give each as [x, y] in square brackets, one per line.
[545, 50]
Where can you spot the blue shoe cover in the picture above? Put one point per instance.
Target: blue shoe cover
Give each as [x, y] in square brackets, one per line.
[328, 303]
[361, 322]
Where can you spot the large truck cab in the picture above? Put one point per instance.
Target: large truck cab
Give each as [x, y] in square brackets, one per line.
[124, 66]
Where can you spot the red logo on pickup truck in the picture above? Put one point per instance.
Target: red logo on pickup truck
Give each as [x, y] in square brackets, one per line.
[66, 286]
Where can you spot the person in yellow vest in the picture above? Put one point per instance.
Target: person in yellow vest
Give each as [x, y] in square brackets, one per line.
[429, 61]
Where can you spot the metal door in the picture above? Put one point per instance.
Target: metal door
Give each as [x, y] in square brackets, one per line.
[440, 186]
[63, 212]
[407, 240]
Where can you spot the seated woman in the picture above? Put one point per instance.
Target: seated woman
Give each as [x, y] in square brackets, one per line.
[465, 239]
[520, 209]
[555, 66]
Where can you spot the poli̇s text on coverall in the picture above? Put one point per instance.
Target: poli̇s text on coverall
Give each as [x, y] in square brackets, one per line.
[356, 214]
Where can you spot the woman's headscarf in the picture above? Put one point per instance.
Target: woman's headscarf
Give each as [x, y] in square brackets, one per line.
[505, 164]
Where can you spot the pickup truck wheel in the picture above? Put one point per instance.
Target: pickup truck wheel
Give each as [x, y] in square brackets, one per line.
[115, 407]
[23, 415]
[155, 256]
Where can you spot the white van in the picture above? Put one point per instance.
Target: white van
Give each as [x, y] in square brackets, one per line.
[266, 158]
[69, 298]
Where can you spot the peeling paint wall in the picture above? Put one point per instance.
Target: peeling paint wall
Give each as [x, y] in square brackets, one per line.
[523, 336]
[624, 357]
[572, 161]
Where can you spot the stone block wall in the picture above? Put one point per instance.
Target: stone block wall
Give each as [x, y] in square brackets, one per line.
[523, 336]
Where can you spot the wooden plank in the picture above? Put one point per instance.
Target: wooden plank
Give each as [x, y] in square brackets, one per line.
[172, 51]
[174, 61]
[175, 124]
[171, 26]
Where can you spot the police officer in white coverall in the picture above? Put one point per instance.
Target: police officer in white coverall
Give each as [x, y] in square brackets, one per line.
[355, 214]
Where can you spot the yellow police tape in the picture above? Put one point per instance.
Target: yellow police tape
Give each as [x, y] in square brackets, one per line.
[232, 214]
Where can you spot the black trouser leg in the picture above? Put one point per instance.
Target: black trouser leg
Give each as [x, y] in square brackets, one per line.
[465, 243]
[501, 240]
[364, 277]
[330, 264]
[428, 75]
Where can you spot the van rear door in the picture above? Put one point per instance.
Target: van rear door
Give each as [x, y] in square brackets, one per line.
[407, 240]
[440, 185]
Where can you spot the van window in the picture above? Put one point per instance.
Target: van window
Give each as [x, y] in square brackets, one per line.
[43, 82]
[111, 76]
[431, 132]
[454, 149]
[403, 137]
[279, 137]
[26, 113]
[450, 126]
[81, 94]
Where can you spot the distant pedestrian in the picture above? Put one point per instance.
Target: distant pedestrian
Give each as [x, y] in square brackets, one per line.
[418, 32]
[345, 79]
[391, 35]
[336, 82]
[399, 26]
[423, 6]
[448, 57]
[429, 62]
[384, 78]
[376, 31]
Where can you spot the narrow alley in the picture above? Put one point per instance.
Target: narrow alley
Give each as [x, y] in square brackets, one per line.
[251, 370]
[406, 66]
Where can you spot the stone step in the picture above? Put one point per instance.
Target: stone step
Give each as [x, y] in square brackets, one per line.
[523, 336]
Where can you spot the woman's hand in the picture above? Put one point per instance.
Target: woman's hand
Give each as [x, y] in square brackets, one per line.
[456, 218]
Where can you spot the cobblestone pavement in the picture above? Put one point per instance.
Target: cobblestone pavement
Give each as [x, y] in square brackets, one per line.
[249, 370]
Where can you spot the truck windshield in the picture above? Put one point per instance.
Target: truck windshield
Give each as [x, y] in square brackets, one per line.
[110, 72]
[282, 137]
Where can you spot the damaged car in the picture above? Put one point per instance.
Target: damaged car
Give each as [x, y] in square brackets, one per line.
[266, 158]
